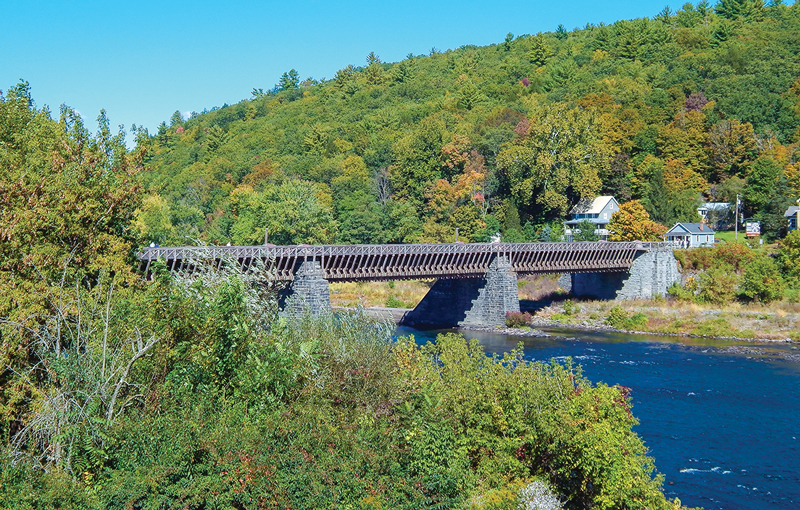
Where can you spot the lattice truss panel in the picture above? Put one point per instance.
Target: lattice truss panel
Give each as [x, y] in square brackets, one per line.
[408, 261]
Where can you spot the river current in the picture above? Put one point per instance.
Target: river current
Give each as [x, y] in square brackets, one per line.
[721, 418]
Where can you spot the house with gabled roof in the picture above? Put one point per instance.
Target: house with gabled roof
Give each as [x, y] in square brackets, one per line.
[596, 210]
[690, 235]
[718, 214]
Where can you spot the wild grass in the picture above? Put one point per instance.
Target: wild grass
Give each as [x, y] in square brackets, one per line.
[777, 321]
[392, 294]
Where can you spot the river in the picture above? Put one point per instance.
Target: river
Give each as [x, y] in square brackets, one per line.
[721, 418]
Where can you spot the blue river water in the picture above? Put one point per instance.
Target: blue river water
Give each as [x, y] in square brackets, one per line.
[721, 418]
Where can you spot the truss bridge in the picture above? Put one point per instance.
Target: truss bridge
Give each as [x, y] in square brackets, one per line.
[477, 280]
[340, 263]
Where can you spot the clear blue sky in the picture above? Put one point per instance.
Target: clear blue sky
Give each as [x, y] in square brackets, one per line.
[143, 60]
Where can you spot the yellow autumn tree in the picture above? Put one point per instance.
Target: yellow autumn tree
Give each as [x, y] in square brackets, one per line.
[793, 176]
[678, 177]
[632, 223]
[685, 139]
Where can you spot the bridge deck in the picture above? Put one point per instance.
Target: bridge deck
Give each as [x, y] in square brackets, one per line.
[410, 261]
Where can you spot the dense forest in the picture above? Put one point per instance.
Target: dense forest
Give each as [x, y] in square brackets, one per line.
[698, 104]
[189, 391]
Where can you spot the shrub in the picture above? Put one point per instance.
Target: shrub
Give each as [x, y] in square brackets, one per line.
[393, 302]
[518, 319]
[731, 253]
[717, 285]
[571, 308]
[762, 280]
[637, 320]
[789, 256]
[714, 327]
[618, 318]
[598, 420]
[584, 446]
[680, 292]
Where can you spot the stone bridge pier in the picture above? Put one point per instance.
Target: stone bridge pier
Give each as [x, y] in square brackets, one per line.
[650, 275]
[469, 302]
[309, 293]
[449, 303]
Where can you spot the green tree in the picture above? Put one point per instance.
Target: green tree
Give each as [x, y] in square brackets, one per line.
[374, 74]
[766, 194]
[294, 212]
[470, 95]
[555, 159]
[154, 223]
[762, 280]
[585, 231]
[289, 80]
[66, 202]
[355, 204]
[732, 9]
[761, 182]
[789, 257]
[417, 156]
[540, 51]
[507, 42]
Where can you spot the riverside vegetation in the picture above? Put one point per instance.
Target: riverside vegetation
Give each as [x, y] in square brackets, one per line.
[730, 290]
[192, 393]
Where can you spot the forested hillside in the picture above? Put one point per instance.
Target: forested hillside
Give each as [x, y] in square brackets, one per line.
[699, 103]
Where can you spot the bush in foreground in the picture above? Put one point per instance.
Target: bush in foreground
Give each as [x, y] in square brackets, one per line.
[237, 409]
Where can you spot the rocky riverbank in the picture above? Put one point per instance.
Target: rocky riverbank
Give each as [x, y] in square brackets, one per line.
[752, 324]
[660, 317]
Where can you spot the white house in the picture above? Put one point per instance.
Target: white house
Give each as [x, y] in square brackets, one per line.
[691, 235]
[717, 213]
[595, 210]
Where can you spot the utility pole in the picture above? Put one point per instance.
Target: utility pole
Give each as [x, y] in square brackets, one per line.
[736, 226]
[456, 234]
[266, 236]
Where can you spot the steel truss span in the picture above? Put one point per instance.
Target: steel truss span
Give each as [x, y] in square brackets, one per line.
[342, 263]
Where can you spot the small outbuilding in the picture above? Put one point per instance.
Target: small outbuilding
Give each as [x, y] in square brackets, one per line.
[792, 214]
[690, 235]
